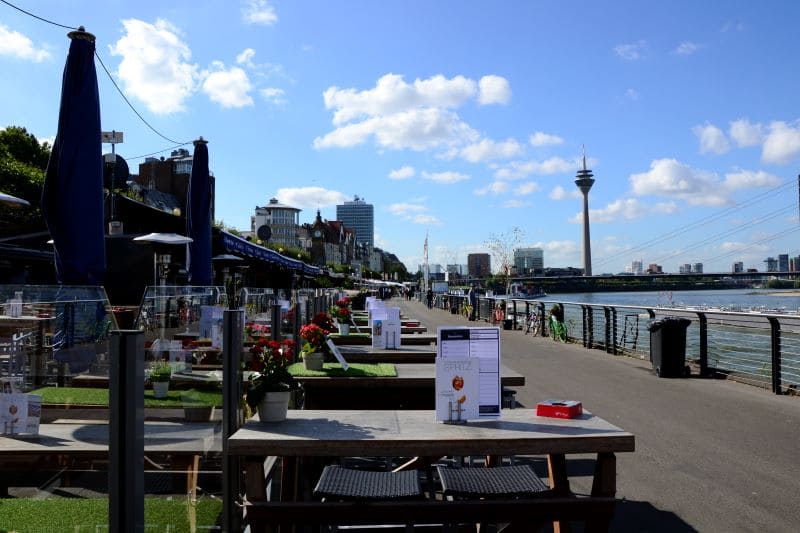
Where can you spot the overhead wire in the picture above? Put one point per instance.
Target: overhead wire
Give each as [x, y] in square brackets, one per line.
[108, 73]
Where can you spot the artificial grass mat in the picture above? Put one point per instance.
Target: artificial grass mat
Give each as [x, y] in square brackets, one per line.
[91, 396]
[79, 515]
[381, 370]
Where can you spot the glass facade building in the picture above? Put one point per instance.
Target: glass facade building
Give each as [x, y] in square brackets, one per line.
[359, 216]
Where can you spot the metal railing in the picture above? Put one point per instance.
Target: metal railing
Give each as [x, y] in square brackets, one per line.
[757, 348]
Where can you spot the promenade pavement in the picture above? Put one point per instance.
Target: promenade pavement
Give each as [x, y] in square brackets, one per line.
[711, 455]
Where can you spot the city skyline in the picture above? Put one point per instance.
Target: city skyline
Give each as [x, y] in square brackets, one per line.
[457, 121]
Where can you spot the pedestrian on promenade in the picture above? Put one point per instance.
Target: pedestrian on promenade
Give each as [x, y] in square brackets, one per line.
[429, 297]
[472, 295]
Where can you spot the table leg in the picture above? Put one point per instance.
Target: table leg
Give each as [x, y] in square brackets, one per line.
[559, 484]
[604, 484]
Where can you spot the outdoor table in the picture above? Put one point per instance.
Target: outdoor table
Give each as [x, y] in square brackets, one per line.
[402, 355]
[60, 443]
[406, 339]
[308, 435]
[412, 388]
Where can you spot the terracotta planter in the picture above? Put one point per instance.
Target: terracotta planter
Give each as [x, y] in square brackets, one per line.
[313, 361]
[344, 328]
[274, 406]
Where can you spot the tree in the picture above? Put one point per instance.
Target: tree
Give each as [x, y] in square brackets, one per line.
[23, 161]
[502, 246]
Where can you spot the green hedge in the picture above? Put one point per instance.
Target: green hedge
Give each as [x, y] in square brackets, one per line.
[90, 396]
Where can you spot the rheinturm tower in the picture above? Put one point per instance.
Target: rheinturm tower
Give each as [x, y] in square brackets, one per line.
[584, 181]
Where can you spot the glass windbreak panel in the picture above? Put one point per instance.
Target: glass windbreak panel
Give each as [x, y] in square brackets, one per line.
[54, 369]
[257, 304]
[184, 340]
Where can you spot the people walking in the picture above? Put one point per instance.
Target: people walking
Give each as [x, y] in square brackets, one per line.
[429, 297]
[473, 302]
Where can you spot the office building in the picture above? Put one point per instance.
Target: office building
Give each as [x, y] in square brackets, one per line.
[772, 264]
[783, 262]
[528, 261]
[276, 223]
[697, 268]
[359, 216]
[479, 265]
[738, 266]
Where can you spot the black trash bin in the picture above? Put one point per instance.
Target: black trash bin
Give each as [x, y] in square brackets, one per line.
[668, 346]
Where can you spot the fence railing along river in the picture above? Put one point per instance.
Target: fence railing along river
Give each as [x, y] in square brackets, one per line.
[761, 349]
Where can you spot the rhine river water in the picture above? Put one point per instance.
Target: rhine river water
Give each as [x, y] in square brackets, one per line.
[787, 300]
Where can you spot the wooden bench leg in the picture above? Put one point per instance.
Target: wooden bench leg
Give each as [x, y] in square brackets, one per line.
[559, 484]
[604, 484]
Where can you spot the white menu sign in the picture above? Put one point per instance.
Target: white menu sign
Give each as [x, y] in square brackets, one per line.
[457, 389]
[482, 343]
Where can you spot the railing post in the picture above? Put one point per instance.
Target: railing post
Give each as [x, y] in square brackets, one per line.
[703, 344]
[775, 336]
[611, 337]
[540, 312]
[126, 432]
[233, 321]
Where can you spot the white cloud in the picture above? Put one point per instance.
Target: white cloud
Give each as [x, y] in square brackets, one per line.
[273, 95]
[15, 44]
[426, 220]
[559, 193]
[401, 209]
[229, 87]
[393, 95]
[671, 178]
[402, 173]
[416, 129]
[496, 187]
[541, 138]
[259, 12]
[522, 169]
[624, 209]
[632, 94]
[494, 90]
[447, 177]
[782, 144]
[246, 57]
[712, 139]
[155, 65]
[487, 149]
[744, 133]
[748, 179]
[631, 51]
[527, 188]
[310, 197]
[687, 48]
[514, 204]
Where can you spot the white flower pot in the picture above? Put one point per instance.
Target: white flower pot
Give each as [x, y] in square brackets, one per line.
[313, 361]
[160, 389]
[344, 328]
[274, 406]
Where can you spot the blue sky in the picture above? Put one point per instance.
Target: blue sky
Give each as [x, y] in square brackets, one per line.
[458, 119]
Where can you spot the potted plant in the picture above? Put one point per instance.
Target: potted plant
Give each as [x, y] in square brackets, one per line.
[342, 315]
[160, 374]
[312, 354]
[271, 384]
[324, 321]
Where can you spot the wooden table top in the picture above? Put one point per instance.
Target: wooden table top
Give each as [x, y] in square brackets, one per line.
[409, 375]
[402, 355]
[92, 438]
[416, 433]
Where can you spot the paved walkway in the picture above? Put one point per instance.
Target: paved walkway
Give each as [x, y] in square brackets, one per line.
[711, 455]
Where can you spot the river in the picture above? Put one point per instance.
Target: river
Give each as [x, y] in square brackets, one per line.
[787, 300]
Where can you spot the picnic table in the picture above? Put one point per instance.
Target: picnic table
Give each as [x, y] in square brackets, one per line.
[308, 437]
[59, 444]
[412, 388]
[402, 355]
[406, 339]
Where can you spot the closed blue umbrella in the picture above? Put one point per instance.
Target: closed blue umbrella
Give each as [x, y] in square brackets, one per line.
[198, 217]
[72, 197]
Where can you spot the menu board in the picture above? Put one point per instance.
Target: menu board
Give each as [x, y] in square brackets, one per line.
[337, 354]
[386, 334]
[457, 389]
[19, 413]
[483, 344]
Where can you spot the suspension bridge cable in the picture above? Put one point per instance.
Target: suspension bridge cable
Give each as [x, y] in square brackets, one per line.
[698, 223]
[9, 4]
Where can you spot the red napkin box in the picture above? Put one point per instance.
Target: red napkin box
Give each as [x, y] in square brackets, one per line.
[559, 408]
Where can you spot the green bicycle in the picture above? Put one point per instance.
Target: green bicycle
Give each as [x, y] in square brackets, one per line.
[558, 329]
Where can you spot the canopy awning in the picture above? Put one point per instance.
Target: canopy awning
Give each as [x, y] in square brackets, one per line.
[242, 247]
